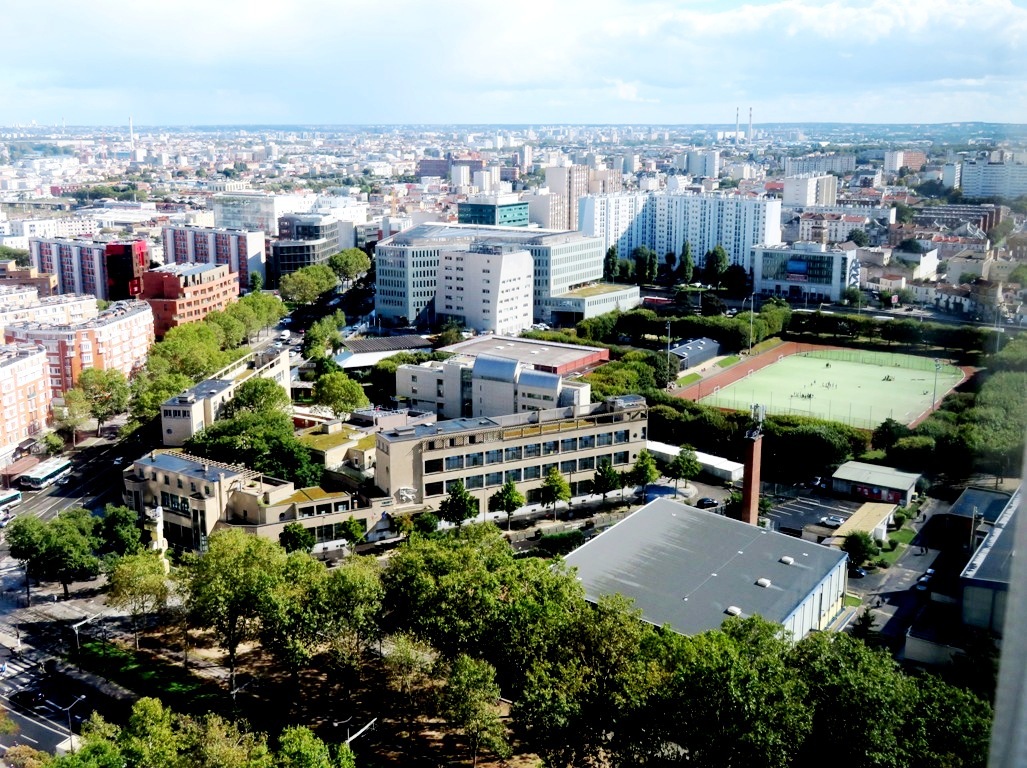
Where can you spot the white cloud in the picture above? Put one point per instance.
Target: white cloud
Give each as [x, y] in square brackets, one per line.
[665, 61]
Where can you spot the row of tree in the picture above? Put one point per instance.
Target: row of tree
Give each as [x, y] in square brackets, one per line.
[156, 737]
[645, 267]
[307, 284]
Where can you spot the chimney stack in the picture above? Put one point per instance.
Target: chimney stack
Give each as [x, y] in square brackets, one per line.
[751, 487]
[748, 138]
[736, 126]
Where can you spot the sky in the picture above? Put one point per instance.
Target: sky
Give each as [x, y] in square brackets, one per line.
[538, 62]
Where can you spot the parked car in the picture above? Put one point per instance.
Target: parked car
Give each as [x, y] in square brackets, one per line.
[707, 503]
[832, 521]
[857, 573]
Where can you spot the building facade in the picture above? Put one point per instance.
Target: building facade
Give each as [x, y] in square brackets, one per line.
[182, 498]
[819, 164]
[257, 210]
[488, 385]
[186, 293]
[488, 289]
[118, 338]
[25, 396]
[493, 210]
[665, 222]
[51, 310]
[830, 227]
[107, 269]
[242, 251]
[571, 183]
[305, 240]
[986, 179]
[29, 277]
[417, 466]
[804, 271]
[810, 190]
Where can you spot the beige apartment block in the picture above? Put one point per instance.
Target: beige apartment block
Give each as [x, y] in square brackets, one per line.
[418, 465]
[64, 309]
[24, 396]
[187, 498]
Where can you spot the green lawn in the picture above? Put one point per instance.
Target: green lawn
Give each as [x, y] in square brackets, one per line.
[851, 601]
[861, 389]
[728, 361]
[903, 536]
[691, 378]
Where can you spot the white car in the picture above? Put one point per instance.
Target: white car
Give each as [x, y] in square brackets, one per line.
[832, 521]
[118, 461]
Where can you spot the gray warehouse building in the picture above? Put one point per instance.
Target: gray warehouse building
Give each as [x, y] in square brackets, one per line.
[690, 570]
[695, 352]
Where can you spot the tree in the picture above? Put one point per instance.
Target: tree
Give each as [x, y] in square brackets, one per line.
[889, 432]
[305, 285]
[554, 489]
[460, 505]
[408, 665]
[470, 701]
[715, 265]
[645, 470]
[860, 547]
[25, 539]
[232, 329]
[349, 263]
[610, 264]
[149, 391]
[685, 466]
[296, 537]
[449, 335]
[686, 264]
[106, 392]
[140, 584]
[508, 500]
[606, 479]
[70, 416]
[645, 260]
[859, 237]
[65, 549]
[339, 393]
[226, 586]
[118, 532]
[53, 443]
[298, 747]
[256, 282]
[670, 261]
[625, 270]
[258, 395]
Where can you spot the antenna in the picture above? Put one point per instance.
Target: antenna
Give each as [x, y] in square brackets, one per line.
[758, 413]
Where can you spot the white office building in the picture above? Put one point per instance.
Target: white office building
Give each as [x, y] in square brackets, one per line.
[568, 268]
[665, 221]
[486, 385]
[804, 272]
[810, 189]
[488, 288]
[257, 210]
[819, 164]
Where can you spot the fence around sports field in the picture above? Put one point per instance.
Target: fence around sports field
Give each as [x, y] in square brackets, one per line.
[856, 387]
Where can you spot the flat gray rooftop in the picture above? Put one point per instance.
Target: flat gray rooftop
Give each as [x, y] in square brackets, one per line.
[684, 567]
[544, 354]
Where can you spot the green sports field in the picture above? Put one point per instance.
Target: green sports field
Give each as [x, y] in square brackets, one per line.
[858, 388]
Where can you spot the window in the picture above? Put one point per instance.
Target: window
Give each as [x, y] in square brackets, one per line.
[474, 481]
[513, 454]
[532, 473]
[589, 441]
[475, 459]
[569, 444]
[568, 466]
[513, 475]
[432, 465]
[620, 457]
[620, 436]
[450, 485]
[587, 463]
[606, 438]
[532, 451]
[549, 447]
[494, 478]
[454, 462]
[494, 456]
[433, 489]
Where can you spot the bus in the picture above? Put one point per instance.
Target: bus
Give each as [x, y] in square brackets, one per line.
[45, 474]
[9, 500]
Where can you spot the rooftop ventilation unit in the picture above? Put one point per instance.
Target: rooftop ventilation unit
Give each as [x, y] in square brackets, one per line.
[733, 610]
[787, 560]
[763, 583]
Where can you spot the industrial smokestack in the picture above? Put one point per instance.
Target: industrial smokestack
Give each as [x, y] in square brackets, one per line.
[751, 486]
[748, 138]
[736, 126]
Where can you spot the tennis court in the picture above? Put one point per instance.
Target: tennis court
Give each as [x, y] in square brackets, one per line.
[855, 387]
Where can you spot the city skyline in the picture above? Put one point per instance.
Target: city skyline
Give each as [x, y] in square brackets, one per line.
[605, 62]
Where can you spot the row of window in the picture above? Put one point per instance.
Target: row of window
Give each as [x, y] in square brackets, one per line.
[521, 474]
[530, 451]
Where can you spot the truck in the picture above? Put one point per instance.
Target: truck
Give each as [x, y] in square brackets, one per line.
[284, 336]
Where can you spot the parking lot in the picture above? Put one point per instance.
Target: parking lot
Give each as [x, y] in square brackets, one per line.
[793, 515]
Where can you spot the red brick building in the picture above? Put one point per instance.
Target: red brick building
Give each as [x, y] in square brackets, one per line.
[185, 293]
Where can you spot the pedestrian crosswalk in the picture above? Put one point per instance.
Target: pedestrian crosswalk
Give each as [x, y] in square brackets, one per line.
[16, 672]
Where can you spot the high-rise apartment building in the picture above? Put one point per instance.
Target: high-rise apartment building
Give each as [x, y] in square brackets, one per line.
[45, 284]
[25, 396]
[704, 164]
[810, 189]
[107, 269]
[987, 179]
[51, 310]
[118, 338]
[186, 293]
[241, 250]
[951, 175]
[819, 164]
[912, 159]
[570, 181]
[664, 222]
[487, 288]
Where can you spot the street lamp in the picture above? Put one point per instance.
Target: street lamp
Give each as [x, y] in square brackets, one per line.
[67, 711]
[937, 368]
[752, 309]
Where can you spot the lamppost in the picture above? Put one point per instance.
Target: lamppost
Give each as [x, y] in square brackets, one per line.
[671, 375]
[67, 711]
[937, 368]
[752, 309]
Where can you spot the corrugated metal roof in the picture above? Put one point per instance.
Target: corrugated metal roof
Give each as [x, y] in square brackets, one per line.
[874, 474]
[495, 368]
